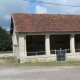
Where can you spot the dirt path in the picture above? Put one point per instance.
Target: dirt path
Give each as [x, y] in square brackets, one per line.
[39, 73]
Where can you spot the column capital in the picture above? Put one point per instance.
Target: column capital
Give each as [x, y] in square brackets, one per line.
[47, 35]
[22, 35]
[72, 35]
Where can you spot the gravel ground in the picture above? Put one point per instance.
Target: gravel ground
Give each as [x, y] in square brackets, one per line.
[40, 73]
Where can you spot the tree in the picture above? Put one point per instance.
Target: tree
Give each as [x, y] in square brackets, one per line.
[5, 40]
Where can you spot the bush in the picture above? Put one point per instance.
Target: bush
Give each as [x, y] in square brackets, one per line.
[5, 40]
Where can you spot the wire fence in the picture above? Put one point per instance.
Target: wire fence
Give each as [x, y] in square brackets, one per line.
[60, 54]
[77, 50]
[36, 53]
[44, 52]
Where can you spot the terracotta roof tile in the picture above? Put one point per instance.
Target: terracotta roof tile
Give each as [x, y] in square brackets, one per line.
[46, 22]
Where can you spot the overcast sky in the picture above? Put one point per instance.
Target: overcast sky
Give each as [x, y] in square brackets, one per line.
[7, 7]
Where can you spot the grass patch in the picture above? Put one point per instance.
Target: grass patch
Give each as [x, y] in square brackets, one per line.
[66, 63]
[13, 62]
[7, 58]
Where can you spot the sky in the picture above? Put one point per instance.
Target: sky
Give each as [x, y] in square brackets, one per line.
[8, 7]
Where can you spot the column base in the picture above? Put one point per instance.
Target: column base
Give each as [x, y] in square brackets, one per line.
[22, 61]
[73, 51]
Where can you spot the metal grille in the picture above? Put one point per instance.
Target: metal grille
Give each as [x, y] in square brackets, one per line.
[60, 54]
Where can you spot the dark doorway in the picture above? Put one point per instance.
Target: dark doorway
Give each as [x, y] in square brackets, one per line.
[35, 43]
[59, 41]
[77, 42]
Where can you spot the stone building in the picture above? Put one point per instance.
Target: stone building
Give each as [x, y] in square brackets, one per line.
[35, 35]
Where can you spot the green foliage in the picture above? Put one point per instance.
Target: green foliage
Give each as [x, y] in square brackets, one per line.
[7, 58]
[5, 40]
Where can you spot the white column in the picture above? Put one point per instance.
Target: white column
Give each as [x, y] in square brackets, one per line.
[15, 45]
[47, 44]
[25, 46]
[22, 48]
[72, 43]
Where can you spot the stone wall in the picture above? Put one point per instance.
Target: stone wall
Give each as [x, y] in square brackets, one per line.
[6, 54]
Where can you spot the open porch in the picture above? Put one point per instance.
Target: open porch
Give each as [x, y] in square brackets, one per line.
[43, 47]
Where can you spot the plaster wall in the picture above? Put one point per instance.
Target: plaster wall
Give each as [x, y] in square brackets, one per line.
[22, 48]
[53, 57]
[15, 45]
[71, 56]
[41, 58]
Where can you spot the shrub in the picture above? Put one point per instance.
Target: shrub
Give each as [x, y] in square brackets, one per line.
[5, 40]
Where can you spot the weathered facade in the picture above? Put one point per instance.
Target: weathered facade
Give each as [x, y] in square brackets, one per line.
[34, 36]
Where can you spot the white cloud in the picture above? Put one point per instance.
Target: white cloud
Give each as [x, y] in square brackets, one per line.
[56, 9]
[39, 9]
[7, 7]
[7, 17]
[64, 1]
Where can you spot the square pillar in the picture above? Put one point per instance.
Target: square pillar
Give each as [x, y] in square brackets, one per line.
[72, 43]
[15, 46]
[47, 44]
[22, 48]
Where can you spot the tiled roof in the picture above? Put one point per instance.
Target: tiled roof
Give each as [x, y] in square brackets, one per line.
[46, 22]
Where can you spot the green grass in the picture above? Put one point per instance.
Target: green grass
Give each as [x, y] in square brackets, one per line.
[7, 58]
[13, 62]
[66, 63]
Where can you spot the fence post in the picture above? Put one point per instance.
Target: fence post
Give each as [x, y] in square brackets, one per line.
[65, 50]
[36, 53]
[60, 49]
[55, 51]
